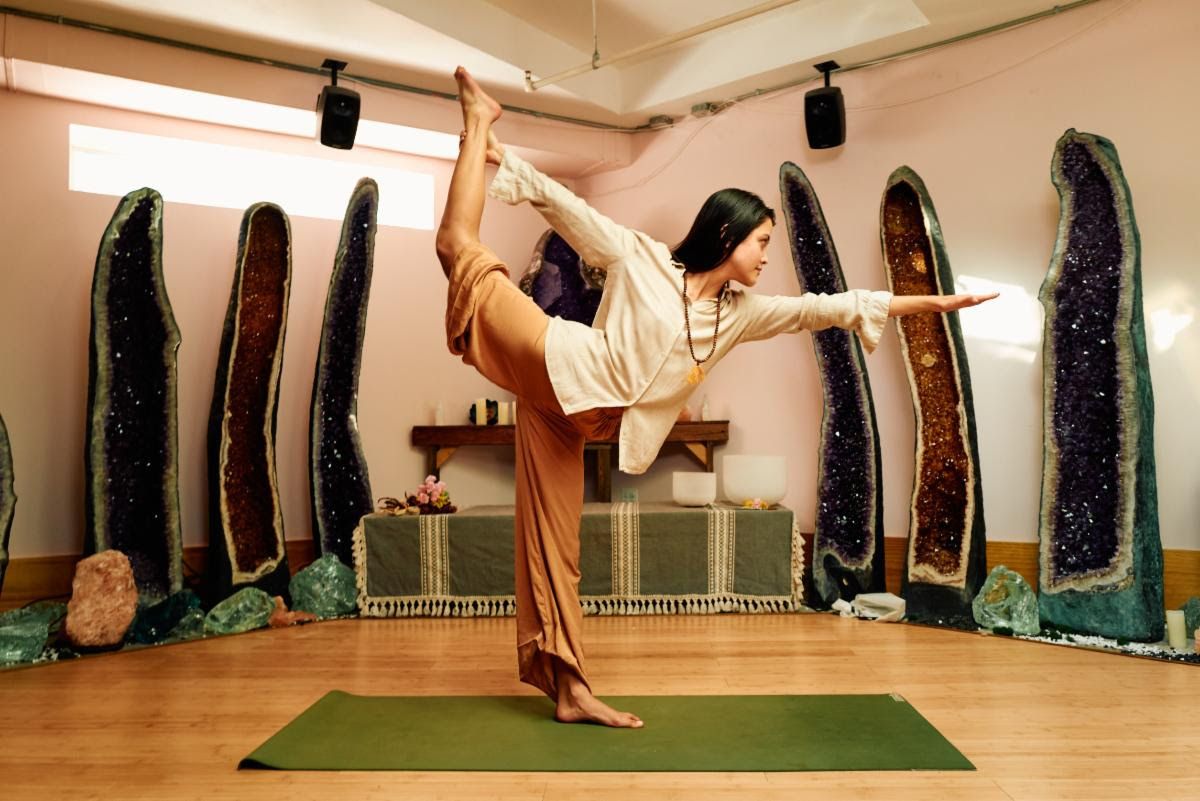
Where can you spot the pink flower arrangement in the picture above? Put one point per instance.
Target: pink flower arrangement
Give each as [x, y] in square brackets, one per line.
[430, 498]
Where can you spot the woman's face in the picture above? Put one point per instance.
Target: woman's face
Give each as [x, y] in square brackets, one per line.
[748, 258]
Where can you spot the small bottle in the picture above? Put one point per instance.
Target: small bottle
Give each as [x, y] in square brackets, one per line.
[705, 412]
[439, 414]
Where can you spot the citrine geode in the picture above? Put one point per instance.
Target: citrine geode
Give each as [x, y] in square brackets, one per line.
[131, 453]
[341, 486]
[1100, 558]
[946, 562]
[848, 545]
[246, 542]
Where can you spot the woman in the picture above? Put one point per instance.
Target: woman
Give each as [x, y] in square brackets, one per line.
[664, 319]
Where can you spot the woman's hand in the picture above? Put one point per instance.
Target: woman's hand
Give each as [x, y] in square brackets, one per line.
[495, 150]
[913, 304]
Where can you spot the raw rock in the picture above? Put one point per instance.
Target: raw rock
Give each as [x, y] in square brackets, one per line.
[23, 642]
[1191, 614]
[1006, 601]
[154, 624]
[103, 601]
[247, 609]
[326, 588]
[281, 617]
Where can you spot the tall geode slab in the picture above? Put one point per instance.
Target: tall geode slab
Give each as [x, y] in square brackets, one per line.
[848, 545]
[946, 560]
[341, 486]
[246, 542]
[560, 282]
[131, 455]
[8, 498]
[1100, 560]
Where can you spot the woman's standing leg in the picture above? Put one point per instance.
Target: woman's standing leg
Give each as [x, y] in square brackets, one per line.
[501, 332]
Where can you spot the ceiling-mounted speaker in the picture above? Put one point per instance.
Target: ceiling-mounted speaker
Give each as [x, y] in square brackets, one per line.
[825, 113]
[337, 111]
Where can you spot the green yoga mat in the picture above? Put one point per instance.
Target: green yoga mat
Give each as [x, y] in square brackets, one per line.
[682, 733]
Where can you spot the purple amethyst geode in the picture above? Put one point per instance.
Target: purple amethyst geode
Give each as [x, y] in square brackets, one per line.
[1100, 558]
[131, 455]
[341, 486]
[560, 282]
[848, 544]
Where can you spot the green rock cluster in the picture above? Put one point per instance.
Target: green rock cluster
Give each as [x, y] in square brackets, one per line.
[24, 633]
[1191, 615]
[155, 623]
[326, 588]
[247, 609]
[1006, 601]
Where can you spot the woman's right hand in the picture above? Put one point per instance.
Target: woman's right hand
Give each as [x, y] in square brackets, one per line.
[495, 150]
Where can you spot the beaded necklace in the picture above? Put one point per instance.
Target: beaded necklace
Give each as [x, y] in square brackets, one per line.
[696, 374]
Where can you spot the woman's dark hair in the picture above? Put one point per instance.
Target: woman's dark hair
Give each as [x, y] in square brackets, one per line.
[725, 219]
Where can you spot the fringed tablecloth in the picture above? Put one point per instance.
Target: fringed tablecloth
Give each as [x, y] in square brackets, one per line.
[636, 559]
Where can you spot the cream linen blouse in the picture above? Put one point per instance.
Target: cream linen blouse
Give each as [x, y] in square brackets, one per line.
[635, 354]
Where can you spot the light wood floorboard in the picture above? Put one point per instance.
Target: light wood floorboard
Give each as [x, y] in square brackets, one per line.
[1038, 721]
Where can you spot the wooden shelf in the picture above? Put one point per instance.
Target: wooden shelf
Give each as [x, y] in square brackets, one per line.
[440, 443]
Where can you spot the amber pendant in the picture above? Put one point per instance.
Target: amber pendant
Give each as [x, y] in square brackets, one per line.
[695, 375]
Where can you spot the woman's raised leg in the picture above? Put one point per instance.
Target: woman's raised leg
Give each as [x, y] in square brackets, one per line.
[464, 203]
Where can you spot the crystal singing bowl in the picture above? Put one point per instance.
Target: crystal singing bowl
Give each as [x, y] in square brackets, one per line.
[693, 489]
[748, 477]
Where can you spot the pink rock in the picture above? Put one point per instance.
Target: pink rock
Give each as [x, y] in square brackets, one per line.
[282, 617]
[103, 600]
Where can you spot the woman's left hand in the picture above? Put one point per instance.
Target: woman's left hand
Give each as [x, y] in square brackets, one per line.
[912, 304]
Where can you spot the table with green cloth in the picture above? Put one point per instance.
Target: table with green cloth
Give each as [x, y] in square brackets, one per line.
[635, 559]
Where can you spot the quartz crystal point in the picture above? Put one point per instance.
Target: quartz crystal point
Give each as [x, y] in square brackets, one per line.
[8, 498]
[946, 560]
[1100, 558]
[341, 487]
[848, 549]
[131, 454]
[246, 542]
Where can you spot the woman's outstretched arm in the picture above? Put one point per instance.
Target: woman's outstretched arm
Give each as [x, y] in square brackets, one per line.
[902, 305]
[595, 237]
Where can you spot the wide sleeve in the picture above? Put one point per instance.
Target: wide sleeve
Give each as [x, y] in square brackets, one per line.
[596, 238]
[858, 310]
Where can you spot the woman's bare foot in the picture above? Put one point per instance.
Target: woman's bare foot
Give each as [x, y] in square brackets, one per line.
[476, 103]
[576, 704]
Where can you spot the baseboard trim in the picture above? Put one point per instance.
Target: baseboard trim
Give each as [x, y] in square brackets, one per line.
[38, 577]
[49, 577]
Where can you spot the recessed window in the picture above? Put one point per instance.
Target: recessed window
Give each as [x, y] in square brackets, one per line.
[110, 162]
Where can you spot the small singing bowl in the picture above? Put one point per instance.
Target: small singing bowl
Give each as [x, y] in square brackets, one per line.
[693, 489]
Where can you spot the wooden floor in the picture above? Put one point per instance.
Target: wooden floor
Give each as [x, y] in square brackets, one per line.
[1038, 721]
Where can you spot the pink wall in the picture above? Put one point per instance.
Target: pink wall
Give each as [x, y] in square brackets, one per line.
[978, 121]
[50, 236]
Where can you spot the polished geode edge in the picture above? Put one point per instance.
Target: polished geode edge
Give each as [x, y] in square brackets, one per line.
[1129, 335]
[277, 563]
[365, 192]
[8, 497]
[973, 564]
[100, 390]
[869, 570]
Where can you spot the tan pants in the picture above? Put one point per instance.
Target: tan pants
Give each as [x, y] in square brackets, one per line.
[501, 332]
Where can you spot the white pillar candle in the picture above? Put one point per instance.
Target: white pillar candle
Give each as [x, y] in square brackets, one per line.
[502, 414]
[439, 414]
[1176, 635]
[481, 412]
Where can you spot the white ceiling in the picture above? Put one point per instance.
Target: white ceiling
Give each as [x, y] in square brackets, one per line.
[418, 42]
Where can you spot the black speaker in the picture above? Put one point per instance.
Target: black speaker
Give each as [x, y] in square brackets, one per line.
[825, 117]
[338, 108]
